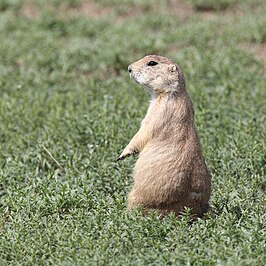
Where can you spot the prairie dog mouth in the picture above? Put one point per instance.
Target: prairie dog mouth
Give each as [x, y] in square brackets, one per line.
[134, 77]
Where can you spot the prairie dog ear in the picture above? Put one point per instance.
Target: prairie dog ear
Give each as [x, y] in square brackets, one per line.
[172, 68]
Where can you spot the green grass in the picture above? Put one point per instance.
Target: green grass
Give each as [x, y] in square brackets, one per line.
[65, 88]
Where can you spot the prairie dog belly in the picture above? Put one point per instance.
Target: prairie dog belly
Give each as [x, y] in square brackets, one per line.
[157, 173]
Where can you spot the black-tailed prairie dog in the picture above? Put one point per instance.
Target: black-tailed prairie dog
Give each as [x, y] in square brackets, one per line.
[170, 173]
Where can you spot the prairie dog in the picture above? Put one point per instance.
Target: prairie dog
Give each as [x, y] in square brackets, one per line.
[170, 173]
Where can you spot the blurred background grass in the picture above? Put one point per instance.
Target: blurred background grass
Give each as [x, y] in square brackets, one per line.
[64, 88]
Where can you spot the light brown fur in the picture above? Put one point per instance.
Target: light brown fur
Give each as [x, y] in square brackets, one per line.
[170, 173]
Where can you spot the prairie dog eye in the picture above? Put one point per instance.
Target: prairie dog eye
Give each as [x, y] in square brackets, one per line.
[152, 63]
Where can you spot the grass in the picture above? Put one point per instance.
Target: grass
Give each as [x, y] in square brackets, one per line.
[65, 91]
[208, 5]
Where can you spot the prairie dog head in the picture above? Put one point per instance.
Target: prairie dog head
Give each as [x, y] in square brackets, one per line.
[158, 74]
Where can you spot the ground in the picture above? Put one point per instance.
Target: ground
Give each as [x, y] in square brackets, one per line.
[68, 108]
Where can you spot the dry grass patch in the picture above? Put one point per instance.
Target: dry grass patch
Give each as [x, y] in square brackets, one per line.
[29, 10]
[91, 9]
[258, 50]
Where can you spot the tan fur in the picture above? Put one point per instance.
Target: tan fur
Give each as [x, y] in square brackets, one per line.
[170, 173]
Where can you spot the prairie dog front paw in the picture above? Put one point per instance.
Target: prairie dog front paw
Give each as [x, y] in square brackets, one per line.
[127, 152]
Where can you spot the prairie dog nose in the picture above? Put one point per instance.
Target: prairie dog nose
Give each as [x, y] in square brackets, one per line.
[129, 69]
